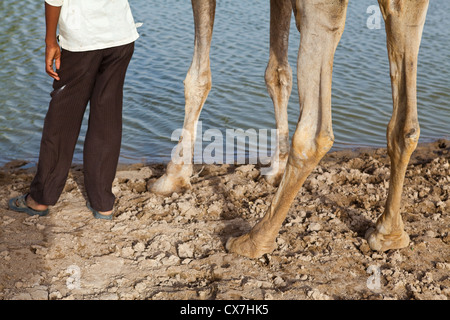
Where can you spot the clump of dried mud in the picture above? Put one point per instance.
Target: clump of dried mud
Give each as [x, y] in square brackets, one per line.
[173, 247]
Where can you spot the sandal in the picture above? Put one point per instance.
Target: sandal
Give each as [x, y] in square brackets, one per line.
[98, 215]
[19, 204]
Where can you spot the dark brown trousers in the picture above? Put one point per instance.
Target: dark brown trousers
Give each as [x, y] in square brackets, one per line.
[95, 77]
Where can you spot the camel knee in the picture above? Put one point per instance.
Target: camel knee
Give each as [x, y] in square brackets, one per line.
[323, 144]
[278, 79]
[197, 86]
[403, 143]
[313, 149]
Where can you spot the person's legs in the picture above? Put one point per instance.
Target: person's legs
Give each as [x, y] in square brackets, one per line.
[104, 135]
[62, 126]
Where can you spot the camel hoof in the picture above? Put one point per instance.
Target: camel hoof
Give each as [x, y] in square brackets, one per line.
[167, 185]
[245, 246]
[382, 242]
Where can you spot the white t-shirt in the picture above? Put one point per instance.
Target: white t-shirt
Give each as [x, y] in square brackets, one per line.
[86, 25]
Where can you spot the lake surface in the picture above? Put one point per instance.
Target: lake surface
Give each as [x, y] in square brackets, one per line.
[154, 91]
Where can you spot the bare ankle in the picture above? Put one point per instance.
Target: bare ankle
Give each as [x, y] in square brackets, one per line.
[34, 205]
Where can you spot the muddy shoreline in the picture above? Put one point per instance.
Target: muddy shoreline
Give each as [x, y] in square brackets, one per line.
[172, 248]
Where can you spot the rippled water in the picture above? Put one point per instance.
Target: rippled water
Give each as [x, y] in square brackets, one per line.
[154, 92]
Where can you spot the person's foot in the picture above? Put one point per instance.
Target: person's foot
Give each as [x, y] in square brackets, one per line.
[31, 203]
[104, 215]
[107, 213]
[25, 203]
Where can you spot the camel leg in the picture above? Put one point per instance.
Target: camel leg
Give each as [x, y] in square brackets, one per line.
[321, 24]
[404, 25]
[197, 87]
[279, 84]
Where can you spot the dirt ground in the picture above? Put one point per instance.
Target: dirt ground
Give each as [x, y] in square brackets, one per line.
[173, 248]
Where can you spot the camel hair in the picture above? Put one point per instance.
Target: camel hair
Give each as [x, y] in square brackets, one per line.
[321, 25]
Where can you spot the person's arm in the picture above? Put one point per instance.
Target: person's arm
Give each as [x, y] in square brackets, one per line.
[52, 49]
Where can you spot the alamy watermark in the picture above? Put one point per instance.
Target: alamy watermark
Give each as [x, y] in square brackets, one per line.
[374, 20]
[74, 280]
[229, 146]
[374, 281]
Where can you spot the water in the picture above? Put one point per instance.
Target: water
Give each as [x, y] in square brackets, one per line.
[154, 92]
